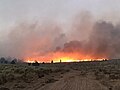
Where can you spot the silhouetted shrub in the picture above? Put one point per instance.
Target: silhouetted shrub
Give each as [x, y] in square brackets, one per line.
[52, 61]
[29, 64]
[6, 62]
[43, 62]
[2, 60]
[40, 75]
[13, 62]
[35, 64]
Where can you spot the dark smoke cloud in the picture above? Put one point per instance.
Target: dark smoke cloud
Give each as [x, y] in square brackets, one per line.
[103, 42]
[104, 39]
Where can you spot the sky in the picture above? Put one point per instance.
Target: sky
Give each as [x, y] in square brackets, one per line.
[13, 11]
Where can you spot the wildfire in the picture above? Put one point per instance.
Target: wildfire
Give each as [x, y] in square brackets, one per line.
[62, 57]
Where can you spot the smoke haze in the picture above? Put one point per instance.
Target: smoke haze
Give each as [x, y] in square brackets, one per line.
[86, 37]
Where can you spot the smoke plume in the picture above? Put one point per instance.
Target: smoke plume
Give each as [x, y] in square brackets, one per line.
[87, 37]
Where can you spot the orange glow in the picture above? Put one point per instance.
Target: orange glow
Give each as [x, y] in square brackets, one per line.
[63, 57]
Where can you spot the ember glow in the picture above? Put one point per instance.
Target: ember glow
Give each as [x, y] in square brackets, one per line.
[62, 57]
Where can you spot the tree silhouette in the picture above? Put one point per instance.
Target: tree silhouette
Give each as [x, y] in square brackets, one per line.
[14, 61]
[2, 60]
[35, 64]
[52, 61]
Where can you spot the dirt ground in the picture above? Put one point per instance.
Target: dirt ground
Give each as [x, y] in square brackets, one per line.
[74, 81]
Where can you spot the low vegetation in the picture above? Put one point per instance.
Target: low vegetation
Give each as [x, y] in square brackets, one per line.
[22, 76]
[19, 74]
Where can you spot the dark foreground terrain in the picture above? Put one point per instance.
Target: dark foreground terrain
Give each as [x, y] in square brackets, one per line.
[104, 75]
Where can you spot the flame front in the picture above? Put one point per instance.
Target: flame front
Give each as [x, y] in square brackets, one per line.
[63, 57]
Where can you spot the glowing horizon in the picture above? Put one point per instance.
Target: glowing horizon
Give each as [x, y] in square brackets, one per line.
[63, 57]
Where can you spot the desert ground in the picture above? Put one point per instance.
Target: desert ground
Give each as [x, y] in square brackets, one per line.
[95, 75]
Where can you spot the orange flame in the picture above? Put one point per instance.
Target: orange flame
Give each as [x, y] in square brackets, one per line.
[64, 57]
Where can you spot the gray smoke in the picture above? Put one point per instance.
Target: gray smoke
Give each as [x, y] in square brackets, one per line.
[103, 42]
[28, 39]
[104, 39]
[87, 36]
